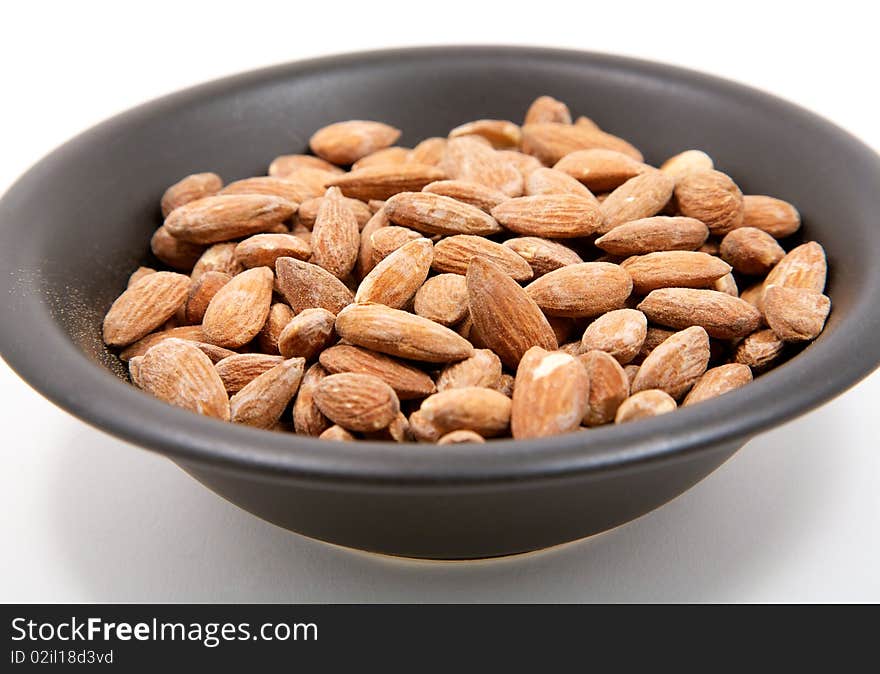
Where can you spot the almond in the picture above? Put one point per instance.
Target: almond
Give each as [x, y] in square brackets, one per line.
[654, 337]
[381, 182]
[644, 404]
[190, 188]
[365, 251]
[357, 402]
[619, 333]
[674, 269]
[388, 239]
[279, 316]
[467, 159]
[711, 197]
[288, 164]
[676, 364]
[346, 142]
[631, 372]
[387, 157]
[239, 309]
[795, 314]
[550, 142]
[335, 236]
[395, 280]
[307, 418]
[717, 381]
[178, 373]
[637, 198]
[430, 151]
[586, 289]
[238, 370]
[803, 267]
[600, 170]
[460, 437]
[609, 386]
[649, 235]
[421, 429]
[550, 181]
[337, 433]
[551, 394]
[483, 369]
[138, 274]
[308, 211]
[476, 194]
[398, 333]
[500, 133]
[453, 254]
[751, 251]
[295, 192]
[726, 284]
[201, 292]
[144, 306]
[583, 120]
[506, 385]
[524, 163]
[759, 350]
[229, 216]
[397, 431]
[174, 252]
[219, 257]
[542, 255]
[687, 161]
[261, 250]
[263, 400]
[482, 410]
[307, 286]
[407, 381]
[553, 216]
[547, 109]
[721, 315]
[776, 217]
[307, 334]
[443, 299]
[506, 318]
[134, 370]
[434, 214]
[191, 333]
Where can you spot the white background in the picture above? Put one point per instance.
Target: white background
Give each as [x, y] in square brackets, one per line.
[83, 517]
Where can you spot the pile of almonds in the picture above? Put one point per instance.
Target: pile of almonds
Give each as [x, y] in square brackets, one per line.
[507, 280]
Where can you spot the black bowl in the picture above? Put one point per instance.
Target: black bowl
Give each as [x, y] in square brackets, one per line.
[75, 226]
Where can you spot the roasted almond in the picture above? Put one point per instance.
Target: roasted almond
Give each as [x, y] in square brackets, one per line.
[138, 274]
[454, 253]
[657, 233]
[430, 151]
[263, 400]
[750, 251]
[306, 286]
[174, 252]
[307, 418]
[190, 188]
[501, 133]
[308, 211]
[261, 250]
[468, 159]
[288, 164]
[726, 284]
[238, 370]
[721, 315]
[357, 402]
[803, 267]
[674, 269]
[644, 404]
[365, 251]
[460, 437]
[795, 314]
[550, 142]
[346, 142]
[717, 381]
[552, 216]
[542, 255]
[550, 181]
[586, 289]
[434, 214]
[776, 217]
[676, 364]
[229, 216]
[443, 299]
[294, 191]
[482, 410]
[395, 280]
[239, 309]
[389, 156]
[192, 333]
[219, 257]
[600, 170]
[335, 236]
[759, 350]
[201, 292]
[687, 161]
[381, 182]
[619, 333]
[144, 306]
[609, 386]
[640, 197]
[407, 381]
[388, 239]
[546, 109]
[524, 163]
[476, 194]
[337, 433]
[307, 334]
[712, 198]
[483, 369]
[279, 316]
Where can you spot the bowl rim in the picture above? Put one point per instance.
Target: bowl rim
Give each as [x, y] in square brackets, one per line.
[129, 414]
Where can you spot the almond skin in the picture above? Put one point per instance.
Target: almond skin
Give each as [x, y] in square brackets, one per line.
[238, 370]
[506, 318]
[346, 142]
[434, 214]
[600, 170]
[550, 181]
[178, 373]
[144, 306]
[676, 364]
[476, 194]
[759, 350]
[261, 250]
[306, 286]
[717, 381]
[609, 386]
[640, 197]
[223, 217]
[307, 334]
[467, 159]
[443, 299]
[712, 198]
[238, 311]
[483, 369]
[262, 401]
[586, 289]
[750, 251]
[776, 217]
[657, 233]
[407, 381]
[500, 133]
[674, 269]
[550, 142]
[542, 255]
[307, 418]
[722, 316]
[335, 236]
[174, 252]
[357, 402]
[482, 410]
[551, 394]
[201, 293]
[546, 109]
[619, 333]
[395, 280]
[398, 333]
[644, 404]
[553, 216]
[795, 314]
[382, 182]
[454, 253]
[190, 188]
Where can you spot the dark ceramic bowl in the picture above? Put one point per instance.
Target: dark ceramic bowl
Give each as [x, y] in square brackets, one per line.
[74, 227]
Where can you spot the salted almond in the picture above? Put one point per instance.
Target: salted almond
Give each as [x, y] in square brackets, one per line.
[443, 299]
[138, 274]
[726, 284]
[388, 239]
[483, 369]
[292, 190]
[201, 292]
[460, 437]
[619, 333]
[501, 133]
[482, 410]
[795, 314]
[335, 236]
[546, 109]
[631, 372]
[717, 381]
[307, 418]
[542, 255]
[381, 182]
[586, 289]
[676, 364]
[434, 214]
[609, 386]
[306, 286]
[192, 333]
[134, 370]
[550, 142]
[346, 142]
[308, 211]
[397, 431]
[307, 334]
[261, 250]
[550, 181]
[637, 198]
[552, 216]
[657, 233]
[190, 188]
[454, 253]
[398, 333]
[337, 433]
[674, 269]
[551, 394]
[759, 350]
[644, 404]
[219, 257]
[430, 151]
[288, 164]
[722, 316]
[506, 385]
[599, 169]
[776, 217]
[357, 402]
[476, 194]
[687, 161]
[229, 216]
[524, 163]
[174, 252]
[239, 369]
[395, 280]
[239, 309]
[263, 400]
[389, 156]
[508, 321]
[423, 430]
[365, 252]
[407, 381]
[279, 316]
[803, 267]
[583, 120]
[654, 337]
[470, 160]
[750, 251]
[144, 306]
[711, 197]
